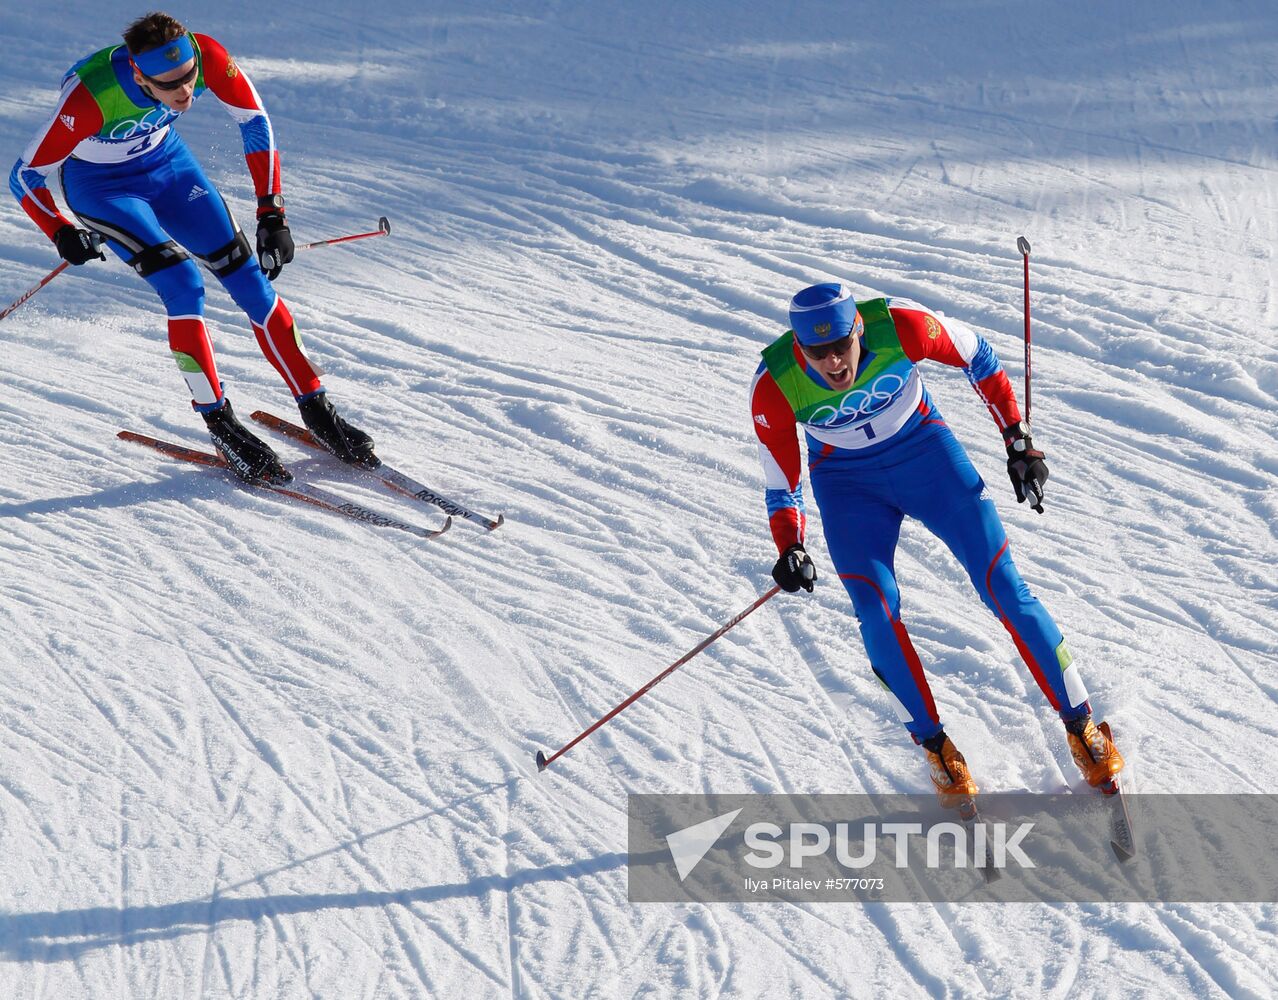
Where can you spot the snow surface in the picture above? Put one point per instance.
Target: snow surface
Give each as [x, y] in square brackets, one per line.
[249, 750]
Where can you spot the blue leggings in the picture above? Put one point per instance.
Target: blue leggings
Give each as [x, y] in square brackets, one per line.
[926, 475]
[152, 210]
[143, 206]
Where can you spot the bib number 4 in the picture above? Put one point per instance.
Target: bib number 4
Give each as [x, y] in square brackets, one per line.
[139, 147]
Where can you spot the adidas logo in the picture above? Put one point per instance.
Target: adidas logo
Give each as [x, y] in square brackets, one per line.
[761, 420]
[196, 192]
[68, 121]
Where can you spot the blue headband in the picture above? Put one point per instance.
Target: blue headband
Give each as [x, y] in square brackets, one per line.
[823, 313]
[165, 59]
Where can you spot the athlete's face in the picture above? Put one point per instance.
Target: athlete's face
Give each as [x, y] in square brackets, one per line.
[179, 95]
[838, 367]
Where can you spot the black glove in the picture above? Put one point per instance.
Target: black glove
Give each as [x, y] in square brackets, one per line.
[78, 246]
[794, 570]
[1025, 465]
[274, 243]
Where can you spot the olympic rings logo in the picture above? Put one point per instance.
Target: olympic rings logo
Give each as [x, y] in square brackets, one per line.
[130, 128]
[859, 403]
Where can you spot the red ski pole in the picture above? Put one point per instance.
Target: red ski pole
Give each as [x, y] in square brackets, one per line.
[95, 239]
[543, 761]
[1022, 244]
[383, 229]
[31, 291]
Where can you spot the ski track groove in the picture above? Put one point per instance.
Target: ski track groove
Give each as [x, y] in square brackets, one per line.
[1191, 941]
[512, 940]
[879, 914]
[406, 943]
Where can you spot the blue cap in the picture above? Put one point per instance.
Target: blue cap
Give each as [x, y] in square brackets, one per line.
[166, 58]
[822, 313]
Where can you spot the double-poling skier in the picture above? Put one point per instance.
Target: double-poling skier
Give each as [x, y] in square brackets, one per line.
[129, 178]
[880, 451]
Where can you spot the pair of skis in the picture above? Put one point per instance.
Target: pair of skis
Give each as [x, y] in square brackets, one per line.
[325, 499]
[1122, 840]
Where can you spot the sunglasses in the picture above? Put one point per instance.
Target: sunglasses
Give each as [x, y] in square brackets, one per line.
[172, 84]
[820, 352]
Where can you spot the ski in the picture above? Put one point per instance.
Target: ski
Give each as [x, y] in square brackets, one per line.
[1122, 840]
[391, 477]
[303, 492]
[971, 818]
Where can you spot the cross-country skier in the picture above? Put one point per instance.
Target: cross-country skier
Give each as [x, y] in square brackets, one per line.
[127, 175]
[879, 451]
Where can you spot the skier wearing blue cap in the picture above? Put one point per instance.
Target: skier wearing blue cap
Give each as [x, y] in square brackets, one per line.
[879, 451]
[128, 177]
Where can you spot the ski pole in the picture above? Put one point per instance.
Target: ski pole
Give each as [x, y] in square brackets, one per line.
[1022, 244]
[543, 761]
[383, 229]
[95, 240]
[31, 291]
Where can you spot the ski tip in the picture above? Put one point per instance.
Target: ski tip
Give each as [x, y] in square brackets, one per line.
[541, 761]
[448, 523]
[494, 525]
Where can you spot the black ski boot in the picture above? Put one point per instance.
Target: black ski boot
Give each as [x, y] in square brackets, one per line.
[348, 443]
[249, 457]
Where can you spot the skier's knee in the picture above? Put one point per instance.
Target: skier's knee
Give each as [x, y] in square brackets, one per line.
[159, 258]
[180, 288]
[251, 291]
[872, 601]
[1004, 590]
[227, 260]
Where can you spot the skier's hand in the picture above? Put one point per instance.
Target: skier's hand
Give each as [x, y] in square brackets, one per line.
[1025, 466]
[794, 570]
[78, 246]
[274, 243]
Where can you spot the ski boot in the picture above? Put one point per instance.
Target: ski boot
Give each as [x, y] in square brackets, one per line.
[1094, 752]
[248, 457]
[950, 775]
[348, 443]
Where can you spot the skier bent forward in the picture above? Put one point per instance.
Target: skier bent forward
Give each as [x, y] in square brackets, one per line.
[128, 176]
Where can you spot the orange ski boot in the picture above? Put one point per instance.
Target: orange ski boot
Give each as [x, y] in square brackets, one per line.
[1094, 752]
[950, 775]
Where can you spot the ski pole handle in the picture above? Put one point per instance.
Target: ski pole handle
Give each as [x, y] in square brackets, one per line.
[1022, 244]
